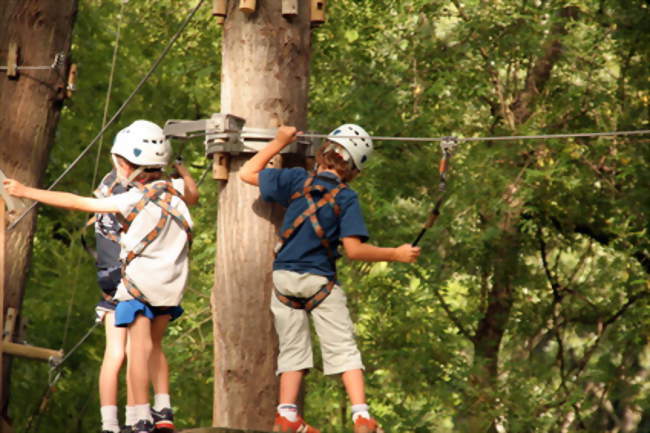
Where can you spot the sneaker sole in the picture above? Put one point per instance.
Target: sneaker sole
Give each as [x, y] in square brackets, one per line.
[164, 427]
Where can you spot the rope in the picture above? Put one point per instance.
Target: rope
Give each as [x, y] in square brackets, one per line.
[498, 138]
[117, 113]
[202, 178]
[109, 91]
[54, 375]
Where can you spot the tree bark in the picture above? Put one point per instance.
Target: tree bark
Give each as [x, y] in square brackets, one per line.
[265, 80]
[31, 105]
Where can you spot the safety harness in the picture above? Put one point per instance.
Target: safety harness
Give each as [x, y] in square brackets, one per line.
[327, 198]
[106, 188]
[160, 194]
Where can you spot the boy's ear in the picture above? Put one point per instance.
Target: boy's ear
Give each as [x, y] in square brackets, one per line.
[124, 165]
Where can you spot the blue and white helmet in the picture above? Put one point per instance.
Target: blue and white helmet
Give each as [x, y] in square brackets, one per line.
[355, 140]
[142, 143]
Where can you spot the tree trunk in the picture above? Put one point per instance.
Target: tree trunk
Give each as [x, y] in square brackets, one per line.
[477, 412]
[31, 104]
[265, 80]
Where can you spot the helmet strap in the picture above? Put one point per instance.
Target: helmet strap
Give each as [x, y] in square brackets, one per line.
[121, 175]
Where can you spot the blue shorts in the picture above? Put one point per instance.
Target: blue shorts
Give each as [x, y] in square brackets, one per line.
[127, 311]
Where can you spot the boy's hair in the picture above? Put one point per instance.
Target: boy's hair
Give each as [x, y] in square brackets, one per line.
[329, 156]
[149, 174]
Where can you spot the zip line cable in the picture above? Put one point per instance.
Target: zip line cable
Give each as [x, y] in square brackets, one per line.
[118, 112]
[498, 138]
[109, 91]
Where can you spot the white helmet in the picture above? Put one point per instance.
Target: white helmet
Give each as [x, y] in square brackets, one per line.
[142, 143]
[359, 147]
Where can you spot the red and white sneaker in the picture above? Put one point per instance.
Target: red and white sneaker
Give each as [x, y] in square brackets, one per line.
[365, 425]
[283, 425]
[163, 420]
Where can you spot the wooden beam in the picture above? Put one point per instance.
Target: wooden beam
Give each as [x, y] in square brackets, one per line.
[32, 352]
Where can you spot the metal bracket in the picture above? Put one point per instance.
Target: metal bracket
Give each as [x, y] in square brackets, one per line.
[254, 139]
[12, 66]
[226, 133]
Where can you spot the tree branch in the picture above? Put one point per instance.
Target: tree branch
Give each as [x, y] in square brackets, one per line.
[450, 314]
[540, 73]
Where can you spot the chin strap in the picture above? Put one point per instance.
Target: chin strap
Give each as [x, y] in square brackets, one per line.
[121, 176]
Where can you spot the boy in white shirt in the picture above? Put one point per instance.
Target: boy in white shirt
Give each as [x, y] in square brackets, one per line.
[155, 248]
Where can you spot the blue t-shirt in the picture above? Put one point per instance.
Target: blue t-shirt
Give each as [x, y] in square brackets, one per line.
[303, 252]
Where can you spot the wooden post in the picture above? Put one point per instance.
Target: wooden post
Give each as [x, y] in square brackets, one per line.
[245, 385]
[27, 128]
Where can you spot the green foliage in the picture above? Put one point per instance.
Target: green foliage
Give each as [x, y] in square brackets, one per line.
[552, 234]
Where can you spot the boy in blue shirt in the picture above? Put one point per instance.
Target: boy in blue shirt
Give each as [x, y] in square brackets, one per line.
[322, 212]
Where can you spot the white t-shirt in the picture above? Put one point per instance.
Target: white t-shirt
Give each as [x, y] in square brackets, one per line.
[161, 270]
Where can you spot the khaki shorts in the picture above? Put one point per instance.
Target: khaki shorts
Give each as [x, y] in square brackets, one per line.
[331, 320]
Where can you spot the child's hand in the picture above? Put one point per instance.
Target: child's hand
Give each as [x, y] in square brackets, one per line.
[180, 168]
[13, 187]
[286, 135]
[407, 253]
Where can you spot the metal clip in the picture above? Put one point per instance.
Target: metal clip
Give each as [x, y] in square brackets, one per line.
[12, 66]
[447, 144]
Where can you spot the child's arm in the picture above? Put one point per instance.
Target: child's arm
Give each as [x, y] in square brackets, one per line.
[191, 194]
[357, 250]
[250, 171]
[64, 200]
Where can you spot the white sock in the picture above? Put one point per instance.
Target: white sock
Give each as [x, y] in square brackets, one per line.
[289, 411]
[360, 410]
[143, 411]
[129, 415]
[161, 401]
[109, 419]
